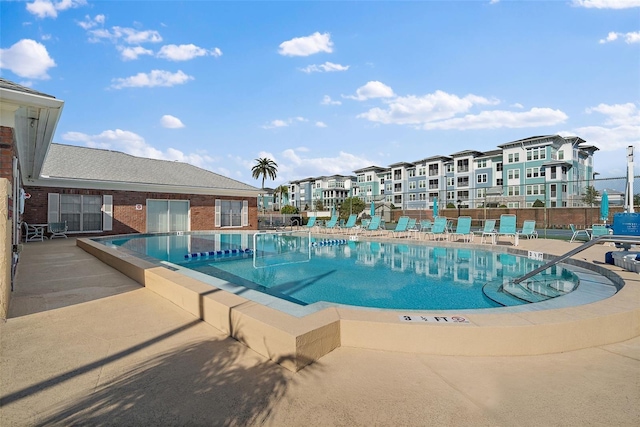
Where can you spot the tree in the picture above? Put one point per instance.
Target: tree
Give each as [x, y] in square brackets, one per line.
[351, 205]
[291, 210]
[281, 190]
[538, 204]
[264, 168]
[319, 205]
[636, 199]
[590, 196]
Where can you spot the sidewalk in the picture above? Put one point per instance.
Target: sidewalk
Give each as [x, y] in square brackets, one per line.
[86, 345]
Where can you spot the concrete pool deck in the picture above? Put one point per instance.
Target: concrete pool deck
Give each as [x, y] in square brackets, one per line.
[86, 344]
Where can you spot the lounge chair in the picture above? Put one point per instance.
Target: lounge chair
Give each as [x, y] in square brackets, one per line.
[529, 229]
[33, 233]
[439, 228]
[401, 226]
[489, 230]
[374, 227]
[351, 223]
[577, 232]
[58, 229]
[508, 227]
[331, 224]
[598, 230]
[463, 229]
[311, 222]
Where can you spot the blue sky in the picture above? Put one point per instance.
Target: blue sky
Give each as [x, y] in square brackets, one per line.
[328, 87]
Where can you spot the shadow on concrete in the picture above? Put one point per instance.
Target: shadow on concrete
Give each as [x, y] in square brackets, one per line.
[200, 384]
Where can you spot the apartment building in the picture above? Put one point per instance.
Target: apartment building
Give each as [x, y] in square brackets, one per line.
[550, 170]
[323, 191]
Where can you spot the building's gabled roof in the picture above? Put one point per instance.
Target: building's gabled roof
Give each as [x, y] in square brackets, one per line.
[71, 163]
[432, 159]
[371, 169]
[6, 84]
[464, 153]
[403, 164]
[492, 153]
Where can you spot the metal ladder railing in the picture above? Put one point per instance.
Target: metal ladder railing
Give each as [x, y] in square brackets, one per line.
[610, 238]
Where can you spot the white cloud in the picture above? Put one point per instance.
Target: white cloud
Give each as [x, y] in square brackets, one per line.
[496, 119]
[128, 35]
[324, 68]
[50, 9]
[171, 122]
[629, 38]
[89, 22]
[296, 162]
[419, 110]
[27, 58]
[517, 105]
[607, 4]
[621, 127]
[131, 53]
[321, 125]
[305, 46]
[618, 114]
[326, 100]
[373, 89]
[185, 52]
[152, 79]
[284, 123]
[134, 144]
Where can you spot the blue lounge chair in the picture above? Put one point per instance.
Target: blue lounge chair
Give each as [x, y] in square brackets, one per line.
[488, 230]
[311, 222]
[374, 226]
[598, 230]
[463, 229]
[401, 226]
[508, 227]
[351, 223]
[331, 224]
[58, 229]
[439, 228]
[577, 232]
[529, 229]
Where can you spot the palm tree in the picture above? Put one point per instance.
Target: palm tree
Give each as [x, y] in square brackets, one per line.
[266, 168]
[281, 190]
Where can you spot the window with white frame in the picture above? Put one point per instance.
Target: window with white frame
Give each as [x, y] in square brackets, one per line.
[169, 215]
[534, 190]
[433, 184]
[514, 157]
[412, 185]
[513, 173]
[412, 197]
[514, 190]
[423, 196]
[449, 167]
[422, 184]
[463, 181]
[412, 173]
[451, 195]
[481, 178]
[499, 167]
[433, 170]
[451, 182]
[538, 153]
[422, 171]
[81, 212]
[482, 163]
[481, 192]
[513, 204]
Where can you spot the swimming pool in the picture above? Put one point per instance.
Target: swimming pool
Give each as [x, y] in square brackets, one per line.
[391, 275]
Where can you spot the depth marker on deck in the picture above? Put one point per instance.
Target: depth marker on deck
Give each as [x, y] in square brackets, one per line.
[434, 319]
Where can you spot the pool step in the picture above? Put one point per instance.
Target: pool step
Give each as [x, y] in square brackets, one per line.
[529, 291]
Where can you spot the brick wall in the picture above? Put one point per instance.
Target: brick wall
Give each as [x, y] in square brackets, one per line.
[7, 153]
[582, 217]
[126, 219]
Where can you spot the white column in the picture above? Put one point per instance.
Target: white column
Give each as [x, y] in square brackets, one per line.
[630, 178]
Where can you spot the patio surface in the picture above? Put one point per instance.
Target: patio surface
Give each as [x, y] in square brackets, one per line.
[85, 344]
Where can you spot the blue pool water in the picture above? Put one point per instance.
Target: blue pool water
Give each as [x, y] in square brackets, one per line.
[394, 275]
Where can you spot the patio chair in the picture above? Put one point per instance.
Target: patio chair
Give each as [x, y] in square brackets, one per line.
[351, 223]
[439, 228]
[488, 230]
[374, 225]
[463, 229]
[401, 226]
[598, 230]
[58, 229]
[331, 224]
[577, 232]
[529, 229]
[311, 222]
[508, 227]
[33, 233]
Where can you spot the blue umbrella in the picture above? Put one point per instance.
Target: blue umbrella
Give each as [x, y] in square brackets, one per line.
[373, 208]
[333, 210]
[604, 207]
[435, 207]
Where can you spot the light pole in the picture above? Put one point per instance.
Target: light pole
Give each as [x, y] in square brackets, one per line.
[459, 206]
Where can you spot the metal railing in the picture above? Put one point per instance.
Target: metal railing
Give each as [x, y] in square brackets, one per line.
[625, 240]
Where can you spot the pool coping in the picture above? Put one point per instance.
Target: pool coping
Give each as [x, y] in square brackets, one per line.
[295, 342]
